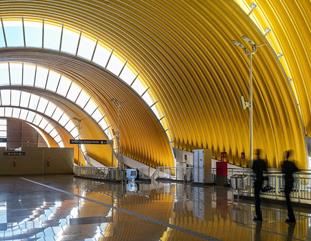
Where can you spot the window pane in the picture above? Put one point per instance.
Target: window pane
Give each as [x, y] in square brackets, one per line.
[90, 107]
[82, 99]
[43, 123]
[42, 105]
[115, 65]
[34, 99]
[52, 35]
[14, 33]
[70, 41]
[4, 74]
[73, 92]
[86, 47]
[52, 81]
[63, 86]
[23, 114]
[57, 139]
[64, 120]
[48, 128]
[8, 112]
[50, 109]
[37, 119]
[127, 75]
[15, 97]
[53, 133]
[147, 98]
[29, 74]
[156, 112]
[5, 97]
[16, 71]
[16, 112]
[61, 144]
[30, 116]
[33, 34]
[103, 124]
[74, 132]
[41, 77]
[138, 86]
[97, 115]
[2, 42]
[69, 126]
[25, 99]
[101, 55]
[1, 111]
[57, 114]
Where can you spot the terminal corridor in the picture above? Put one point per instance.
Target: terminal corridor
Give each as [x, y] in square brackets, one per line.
[68, 208]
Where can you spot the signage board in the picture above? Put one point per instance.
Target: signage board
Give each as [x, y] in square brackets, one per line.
[86, 141]
[14, 153]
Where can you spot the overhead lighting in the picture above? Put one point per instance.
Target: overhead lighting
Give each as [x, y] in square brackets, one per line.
[238, 44]
[267, 30]
[279, 55]
[252, 7]
[248, 40]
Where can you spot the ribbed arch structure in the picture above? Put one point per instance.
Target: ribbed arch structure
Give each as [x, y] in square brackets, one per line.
[58, 37]
[33, 118]
[286, 26]
[31, 75]
[183, 53]
[29, 101]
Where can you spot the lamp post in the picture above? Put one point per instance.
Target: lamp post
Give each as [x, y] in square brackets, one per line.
[118, 105]
[249, 51]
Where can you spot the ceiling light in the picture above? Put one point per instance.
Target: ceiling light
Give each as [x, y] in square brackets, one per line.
[267, 30]
[248, 40]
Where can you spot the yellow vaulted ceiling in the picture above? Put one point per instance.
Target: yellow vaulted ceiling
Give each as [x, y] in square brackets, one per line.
[183, 52]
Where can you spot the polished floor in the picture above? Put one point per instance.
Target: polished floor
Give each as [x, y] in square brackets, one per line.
[68, 208]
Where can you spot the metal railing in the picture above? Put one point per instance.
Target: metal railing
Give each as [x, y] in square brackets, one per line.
[273, 187]
[100, 173]
[175, 173]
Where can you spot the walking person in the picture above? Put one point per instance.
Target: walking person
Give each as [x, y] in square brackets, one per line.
[288, 169]
[259, 166]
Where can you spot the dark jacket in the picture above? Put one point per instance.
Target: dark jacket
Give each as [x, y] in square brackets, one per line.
[259, 166]
[289, 168]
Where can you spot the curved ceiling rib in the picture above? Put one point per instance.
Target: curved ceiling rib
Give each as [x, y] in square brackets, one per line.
[286, 25]
[30, 75]
[57, 37]
[29, 101]
[142, 136]
[33, 118]
[184, 54]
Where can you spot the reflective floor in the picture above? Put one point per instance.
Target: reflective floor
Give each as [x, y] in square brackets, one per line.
[68, 208]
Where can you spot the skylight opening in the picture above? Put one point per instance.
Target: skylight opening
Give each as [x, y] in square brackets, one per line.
[70, 41]
[33, 34]
[115, 65]
[14, 33]
[52, 34]
[127, 75]
[16, 73]
[86, 47]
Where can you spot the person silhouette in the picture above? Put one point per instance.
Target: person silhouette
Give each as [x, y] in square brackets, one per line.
[288, 169]
[259, 166]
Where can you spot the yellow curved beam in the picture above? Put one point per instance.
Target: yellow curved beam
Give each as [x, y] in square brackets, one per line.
[183, 51]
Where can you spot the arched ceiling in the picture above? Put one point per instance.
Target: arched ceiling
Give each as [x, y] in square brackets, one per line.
[142, 136]
[183, 52]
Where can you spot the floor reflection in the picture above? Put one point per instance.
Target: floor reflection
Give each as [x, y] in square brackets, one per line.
[89, 210]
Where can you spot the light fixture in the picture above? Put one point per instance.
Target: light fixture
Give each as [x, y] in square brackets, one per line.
[252, 7]
[248, 40]
[279, 55]
[267, 30]
[249, 51]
